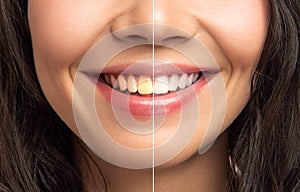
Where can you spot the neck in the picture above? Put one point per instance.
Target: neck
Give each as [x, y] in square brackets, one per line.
[207, 172]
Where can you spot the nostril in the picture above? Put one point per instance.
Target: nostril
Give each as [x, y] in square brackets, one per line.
[175, 40]
[135, 39]
[145, 34]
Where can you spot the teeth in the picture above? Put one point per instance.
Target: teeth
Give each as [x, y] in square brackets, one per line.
[161, 85]
[122, 83]
[196, 76]
[107, 79]
[173, 82]
[131, 84]
[114, 82]
[146, 85]
[189, 80]
[182, 81]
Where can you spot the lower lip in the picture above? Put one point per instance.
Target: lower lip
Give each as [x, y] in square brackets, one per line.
[149, 105]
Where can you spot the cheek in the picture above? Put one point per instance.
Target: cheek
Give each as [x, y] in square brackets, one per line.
[239, 30]
[239, 34]
[63, 30]
[58, 41]
[244, 41]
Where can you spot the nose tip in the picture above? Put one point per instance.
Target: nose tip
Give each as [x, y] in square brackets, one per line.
[152, 33]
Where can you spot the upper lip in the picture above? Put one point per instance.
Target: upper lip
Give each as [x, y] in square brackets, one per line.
[153, 68]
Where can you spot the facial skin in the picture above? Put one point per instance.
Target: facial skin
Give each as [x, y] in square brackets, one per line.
[62, 32]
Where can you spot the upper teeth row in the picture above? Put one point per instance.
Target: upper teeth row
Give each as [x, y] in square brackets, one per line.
[146, 85]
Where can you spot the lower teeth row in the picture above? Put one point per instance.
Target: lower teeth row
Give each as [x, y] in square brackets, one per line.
[146, 85]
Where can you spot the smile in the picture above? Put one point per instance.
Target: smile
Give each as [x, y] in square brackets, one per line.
[145, 90]
[146, 85]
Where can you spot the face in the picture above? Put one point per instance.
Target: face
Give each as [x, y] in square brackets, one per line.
[153, 74]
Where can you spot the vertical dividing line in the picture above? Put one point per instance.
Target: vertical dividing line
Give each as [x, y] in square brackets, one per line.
[153, 116]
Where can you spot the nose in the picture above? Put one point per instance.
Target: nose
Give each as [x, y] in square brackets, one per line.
[152, 34]
[161, 25]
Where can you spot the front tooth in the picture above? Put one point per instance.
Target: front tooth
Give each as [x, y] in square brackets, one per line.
[131, 84]
[114, 82]
[189, 80]
[145, 85]
[182, 81]
[173, 83]
[161, 85]
[122, 83]
[196, 76]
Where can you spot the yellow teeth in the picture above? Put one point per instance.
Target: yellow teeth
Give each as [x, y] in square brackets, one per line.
[146, 85]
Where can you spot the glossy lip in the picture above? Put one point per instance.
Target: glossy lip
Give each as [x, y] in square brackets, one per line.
[141, 106]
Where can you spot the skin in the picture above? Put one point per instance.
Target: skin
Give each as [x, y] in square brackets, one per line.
[62, 31]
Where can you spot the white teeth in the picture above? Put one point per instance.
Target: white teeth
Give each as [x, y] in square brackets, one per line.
[131, 84]
[122, 83]
[195, 77]
[189, 80]
[114, 82]
[107, 79]
[173, 82]
[182, 81]
[161, 85]
[146, 85]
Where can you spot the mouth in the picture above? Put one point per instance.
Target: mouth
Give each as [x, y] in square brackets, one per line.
[143, 85]
[147, 89]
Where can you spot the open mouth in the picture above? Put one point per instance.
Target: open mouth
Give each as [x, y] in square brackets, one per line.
[143, 85]
[140, 88]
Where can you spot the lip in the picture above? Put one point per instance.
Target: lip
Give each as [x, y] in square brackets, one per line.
[152, 105]
[152, 68]
[149, 105]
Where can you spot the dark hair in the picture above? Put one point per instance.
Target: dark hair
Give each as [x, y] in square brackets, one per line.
[265, 138]
[37, 148]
